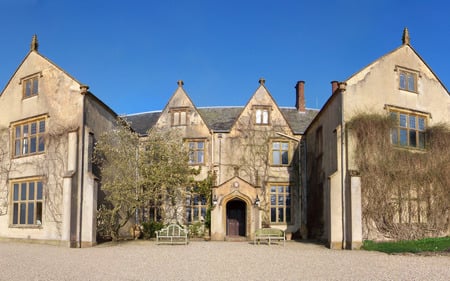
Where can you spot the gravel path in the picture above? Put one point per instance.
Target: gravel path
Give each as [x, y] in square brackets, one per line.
[144, 260]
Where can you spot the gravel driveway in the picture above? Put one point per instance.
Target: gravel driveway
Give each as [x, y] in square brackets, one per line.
[144, 260]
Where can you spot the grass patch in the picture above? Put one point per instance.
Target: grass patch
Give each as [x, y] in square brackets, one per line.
[409, 246]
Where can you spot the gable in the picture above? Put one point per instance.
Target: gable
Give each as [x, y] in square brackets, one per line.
[262, 111]
[379, 85]
[57, 95]
[181, 113]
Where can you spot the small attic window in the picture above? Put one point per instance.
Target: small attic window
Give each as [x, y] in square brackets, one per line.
[407, 79]
[262, 115]
[30, 85]
[179, 116]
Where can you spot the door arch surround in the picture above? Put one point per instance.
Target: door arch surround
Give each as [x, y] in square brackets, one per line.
[248, 213]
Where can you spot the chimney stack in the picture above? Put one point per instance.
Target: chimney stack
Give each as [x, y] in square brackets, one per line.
[334, 87]
[300, 96]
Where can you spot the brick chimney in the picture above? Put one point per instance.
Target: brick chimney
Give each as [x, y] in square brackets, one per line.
[300, 96]
[334, 86]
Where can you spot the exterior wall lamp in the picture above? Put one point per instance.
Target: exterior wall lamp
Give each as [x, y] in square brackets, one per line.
[214, 201]
[257, 202]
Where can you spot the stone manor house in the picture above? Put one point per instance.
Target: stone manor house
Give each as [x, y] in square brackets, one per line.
[284, 167]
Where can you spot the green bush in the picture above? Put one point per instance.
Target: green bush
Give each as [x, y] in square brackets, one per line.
[149, 228]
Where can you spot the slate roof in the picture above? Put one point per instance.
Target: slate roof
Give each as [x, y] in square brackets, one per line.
[221, 119]
[141, 122]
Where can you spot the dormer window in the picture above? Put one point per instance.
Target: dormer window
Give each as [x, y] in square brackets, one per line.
[179, 116]
[30, 86]
[407, 80]
[262, 115]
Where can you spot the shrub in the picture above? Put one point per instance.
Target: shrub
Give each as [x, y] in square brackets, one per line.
[149, 228]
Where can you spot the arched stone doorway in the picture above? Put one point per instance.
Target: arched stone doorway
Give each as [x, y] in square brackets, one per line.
[236, 218]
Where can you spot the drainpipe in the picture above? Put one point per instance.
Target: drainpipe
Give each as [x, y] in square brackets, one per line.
[83, 91]
[342, 88]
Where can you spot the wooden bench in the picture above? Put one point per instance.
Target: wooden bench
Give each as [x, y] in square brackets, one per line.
[269, 234]
[172, 234]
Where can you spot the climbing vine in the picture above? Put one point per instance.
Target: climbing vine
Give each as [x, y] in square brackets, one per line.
[405, 192]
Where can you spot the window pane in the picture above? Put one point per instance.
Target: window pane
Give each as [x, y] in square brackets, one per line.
[284, 146]
[403, 137]
[35, 86]
[402, 81]
[33, 128]
[39, 213]
[412, 122]
[15, 213]
[23, 212]
[285, 158]
[265, 116]
[41, 144]
[411, 84]
[421, 123]
[16, 192]
[276, 157]
[31, 191]
[281, 189]
[412, 138]
[280, 200]
[176, 118]
[402, 120]
[280, 215]
[196, 217]
[183, 120]
[273, 189]
[30, 213]
[200, 157]
[23, 191]
[33, 145]
[273, 214]
[25, 146]
[42, 126]
[39, 191]
[288, 214]
[200, 145]
[273, 199]
[288, 189]
[276, 146]
[18, 134]
[17, 148]
[27, 88]
[25, 130]
[258, 116]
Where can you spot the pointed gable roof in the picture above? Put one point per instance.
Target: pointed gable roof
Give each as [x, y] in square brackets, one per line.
[406, 43]
[34, 50]
[261, 89]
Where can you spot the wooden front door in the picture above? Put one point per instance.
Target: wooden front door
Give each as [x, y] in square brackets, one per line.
[236, 216]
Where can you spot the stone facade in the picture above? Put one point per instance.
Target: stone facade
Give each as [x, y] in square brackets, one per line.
[48, 124]
[289, 168]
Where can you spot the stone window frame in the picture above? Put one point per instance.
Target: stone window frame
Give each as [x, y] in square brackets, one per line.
[408, 122]
[22, 134]
[261, 119]
[280, 150]
[30, 85]
[195, 150]
[195, 208]
[21, 192]
[179, 116]
[283, 191]
[405, 74]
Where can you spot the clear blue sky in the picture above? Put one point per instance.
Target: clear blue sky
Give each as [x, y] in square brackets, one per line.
[131, 53]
